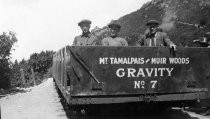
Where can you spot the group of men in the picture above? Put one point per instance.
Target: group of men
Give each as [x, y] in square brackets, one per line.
[87, 38]
[152, 37]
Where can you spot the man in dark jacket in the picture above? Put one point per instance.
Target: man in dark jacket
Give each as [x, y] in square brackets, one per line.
[154, 36]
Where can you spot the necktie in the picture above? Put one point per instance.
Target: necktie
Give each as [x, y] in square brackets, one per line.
[155, 41]
[152, 42]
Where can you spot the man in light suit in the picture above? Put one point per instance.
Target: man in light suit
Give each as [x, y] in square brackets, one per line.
[114, 39]
[154, 36]
[86, 38]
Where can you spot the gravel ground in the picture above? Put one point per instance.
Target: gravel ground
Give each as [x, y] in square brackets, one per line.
[43, 102]
[40, 102]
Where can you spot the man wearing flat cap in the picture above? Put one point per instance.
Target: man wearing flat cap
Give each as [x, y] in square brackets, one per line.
[113, 39]
[154, 36]
[86, 38]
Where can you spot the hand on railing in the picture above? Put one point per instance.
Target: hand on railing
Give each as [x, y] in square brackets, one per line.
[173, 46]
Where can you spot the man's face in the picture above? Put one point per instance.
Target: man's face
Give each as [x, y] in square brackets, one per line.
[85, 28]
[153, 28]
[114, 31]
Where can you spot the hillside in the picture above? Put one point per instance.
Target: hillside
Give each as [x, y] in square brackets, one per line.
[173, 15]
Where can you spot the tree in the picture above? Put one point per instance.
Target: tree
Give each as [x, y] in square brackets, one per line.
[16, 78]
[41, 62]
[6, 43]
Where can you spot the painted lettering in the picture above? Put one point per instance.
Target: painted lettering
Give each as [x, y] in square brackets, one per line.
[158, 60]
[153, 83]
[161, 71]
[169, 71]
[120, 72]
[103, 60]
[139, 84]
[179, 60]
[144, 72]
[149, 71]
[140, 73]
[131, 72]
[124, 60]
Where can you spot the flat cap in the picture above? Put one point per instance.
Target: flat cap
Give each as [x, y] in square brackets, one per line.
[114, 25]
[150, 22]
[86, 21]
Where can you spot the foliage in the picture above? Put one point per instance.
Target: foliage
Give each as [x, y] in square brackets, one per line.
[169, 13]
[6, 43]
[15, 75]
[40, 63]
[10, 72]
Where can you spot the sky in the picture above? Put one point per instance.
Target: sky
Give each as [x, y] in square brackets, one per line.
[52, 24]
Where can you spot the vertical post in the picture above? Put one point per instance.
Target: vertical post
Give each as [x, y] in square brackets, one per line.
[33, 77]
[22, 76]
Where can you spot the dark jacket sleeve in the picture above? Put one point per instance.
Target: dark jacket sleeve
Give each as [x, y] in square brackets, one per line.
[166, 39]
[141, 41]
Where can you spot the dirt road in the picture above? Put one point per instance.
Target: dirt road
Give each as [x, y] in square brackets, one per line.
[40, 102]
